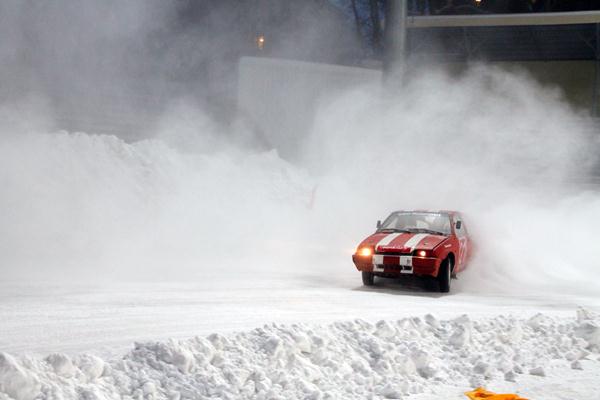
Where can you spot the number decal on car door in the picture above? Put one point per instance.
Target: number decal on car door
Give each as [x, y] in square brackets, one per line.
[462, 244]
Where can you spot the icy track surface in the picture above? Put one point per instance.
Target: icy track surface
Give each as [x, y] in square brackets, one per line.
[421, 357]
[106, 319]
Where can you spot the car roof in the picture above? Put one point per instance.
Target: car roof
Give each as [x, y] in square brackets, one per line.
[450, 212]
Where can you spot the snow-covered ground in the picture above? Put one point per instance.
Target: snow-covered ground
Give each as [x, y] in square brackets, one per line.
[300, 337]
[278, 341]
[40, 318]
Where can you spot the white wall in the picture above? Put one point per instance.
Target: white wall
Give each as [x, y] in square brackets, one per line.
[279, 98]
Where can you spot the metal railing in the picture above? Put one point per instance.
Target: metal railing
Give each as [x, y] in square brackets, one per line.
[527, 19]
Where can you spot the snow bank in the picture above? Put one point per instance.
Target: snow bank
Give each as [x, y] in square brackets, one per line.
[80, 206]
[345, 360]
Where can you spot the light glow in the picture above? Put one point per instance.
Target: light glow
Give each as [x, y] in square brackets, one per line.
[365, 251]
[421, 253]
[260, 42]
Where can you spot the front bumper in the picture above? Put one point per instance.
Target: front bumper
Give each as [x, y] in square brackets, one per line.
[397, 265]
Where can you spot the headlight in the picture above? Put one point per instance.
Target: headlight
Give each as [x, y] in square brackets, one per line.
[365, 251]
[422, 253]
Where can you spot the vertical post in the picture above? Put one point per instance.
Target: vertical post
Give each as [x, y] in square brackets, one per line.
[394, 59]
[595, 111]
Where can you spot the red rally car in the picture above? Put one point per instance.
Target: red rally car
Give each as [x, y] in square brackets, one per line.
[424, 243]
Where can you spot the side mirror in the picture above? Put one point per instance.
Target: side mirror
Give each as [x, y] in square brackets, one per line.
[378, 224]
[458, 224]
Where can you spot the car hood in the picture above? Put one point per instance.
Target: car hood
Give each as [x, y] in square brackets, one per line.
[402, 242]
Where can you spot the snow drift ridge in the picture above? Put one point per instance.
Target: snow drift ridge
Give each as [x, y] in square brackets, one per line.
[348, 360]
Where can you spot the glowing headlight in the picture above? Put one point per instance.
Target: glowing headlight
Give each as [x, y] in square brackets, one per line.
[365, 251]
[421, 253]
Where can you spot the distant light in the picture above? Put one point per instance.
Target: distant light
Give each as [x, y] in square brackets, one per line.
[260, 42]
[478, 2]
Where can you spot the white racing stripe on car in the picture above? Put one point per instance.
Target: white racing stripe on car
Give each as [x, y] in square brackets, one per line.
[387, 240]
[405, 262]
[414, 241]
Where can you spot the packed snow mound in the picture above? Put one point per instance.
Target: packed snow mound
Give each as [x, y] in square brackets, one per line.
[79, 204]
[344, 360]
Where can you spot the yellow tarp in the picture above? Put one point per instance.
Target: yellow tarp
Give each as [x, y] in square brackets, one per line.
[481, 393]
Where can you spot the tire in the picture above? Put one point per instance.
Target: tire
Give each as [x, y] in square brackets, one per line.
[368, 278]
[445, 275]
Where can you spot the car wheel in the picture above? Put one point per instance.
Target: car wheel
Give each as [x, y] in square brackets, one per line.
[368, 278]
[445, 275]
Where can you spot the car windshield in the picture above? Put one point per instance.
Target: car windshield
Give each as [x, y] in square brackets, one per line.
[417, 222]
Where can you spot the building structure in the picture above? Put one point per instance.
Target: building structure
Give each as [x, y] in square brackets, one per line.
[558, 48]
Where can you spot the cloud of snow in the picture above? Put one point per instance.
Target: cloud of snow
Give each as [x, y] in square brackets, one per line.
[507, 152]
[205, 197]
[198, 200]
[79, 205]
